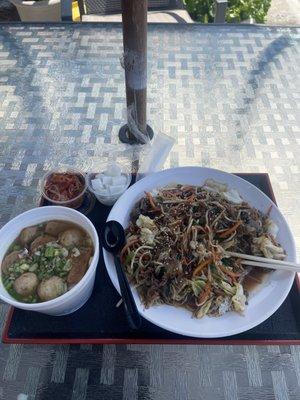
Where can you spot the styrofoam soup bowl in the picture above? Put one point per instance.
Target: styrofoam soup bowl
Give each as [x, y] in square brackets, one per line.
[80, 293]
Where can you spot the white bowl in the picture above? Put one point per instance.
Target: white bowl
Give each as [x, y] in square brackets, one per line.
[80, 293]
[263, 302]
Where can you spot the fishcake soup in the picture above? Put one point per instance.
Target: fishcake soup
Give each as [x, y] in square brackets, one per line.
[46, 260]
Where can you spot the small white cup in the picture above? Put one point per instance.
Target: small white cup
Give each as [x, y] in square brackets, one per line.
[109, 199]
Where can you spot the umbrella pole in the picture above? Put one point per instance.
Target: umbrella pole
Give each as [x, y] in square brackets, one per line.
[134, 18]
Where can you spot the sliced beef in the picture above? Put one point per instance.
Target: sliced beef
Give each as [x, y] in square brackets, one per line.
[9, 260]
[80, 265]
[41, 241]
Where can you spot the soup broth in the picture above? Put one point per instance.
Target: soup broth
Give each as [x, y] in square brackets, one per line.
[46, 260]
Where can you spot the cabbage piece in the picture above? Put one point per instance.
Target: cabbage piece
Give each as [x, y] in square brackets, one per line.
[145, 222]
[197, 286]
[233, 196]
[227, 245]
[228, 288]
[268, 248]
[193, 244]
[203, 309]
[271, 227]
[180, 291]
[214, 186]
[147, 236]
[239, 299]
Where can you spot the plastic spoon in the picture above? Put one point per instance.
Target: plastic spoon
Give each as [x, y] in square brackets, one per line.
[113, 239]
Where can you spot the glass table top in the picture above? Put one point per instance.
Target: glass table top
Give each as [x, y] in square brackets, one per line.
[229, 96]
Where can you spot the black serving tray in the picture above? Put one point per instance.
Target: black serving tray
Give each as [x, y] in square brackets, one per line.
[100, 321]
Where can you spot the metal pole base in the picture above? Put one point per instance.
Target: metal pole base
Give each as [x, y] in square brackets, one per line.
[125, 138]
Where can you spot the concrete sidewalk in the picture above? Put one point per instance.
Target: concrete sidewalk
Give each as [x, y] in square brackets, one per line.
[284, 12]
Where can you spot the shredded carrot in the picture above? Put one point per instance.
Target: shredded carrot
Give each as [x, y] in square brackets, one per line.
[126, 247]
[227, 232]
[201, 266]
[171, 193]
[191, 198]
[213, 254]
[228, 272]
[184, 261]
[151, 201]
[204, 294]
